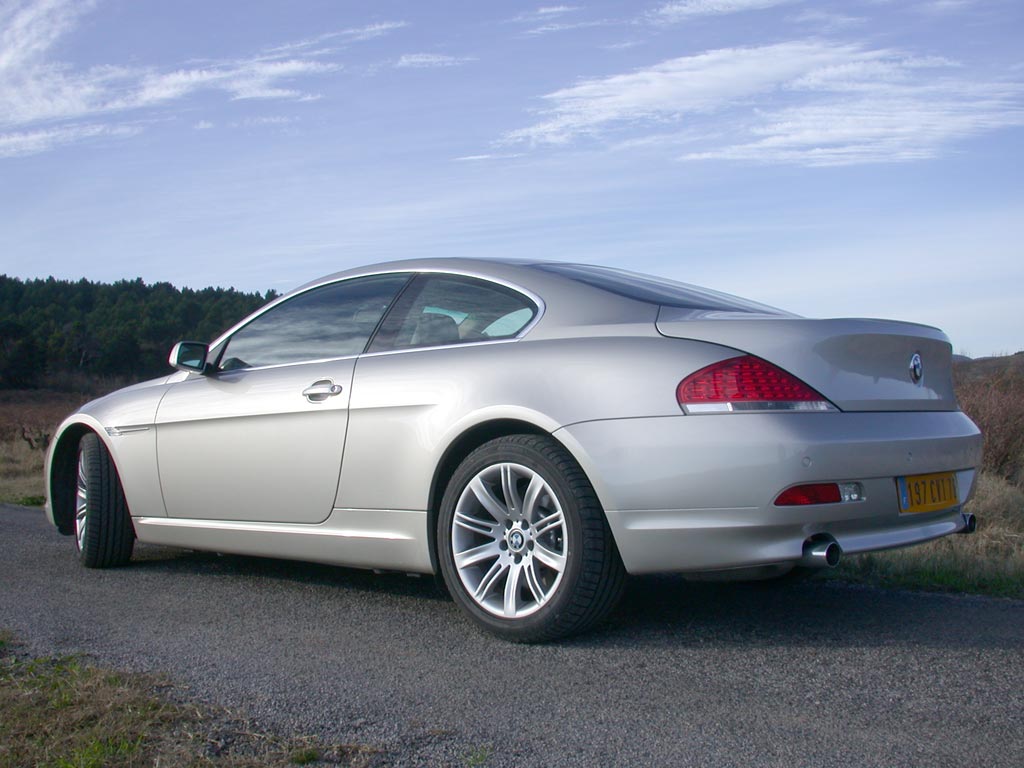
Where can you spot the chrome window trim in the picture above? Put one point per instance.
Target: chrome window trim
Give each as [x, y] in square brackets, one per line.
[462, 345]
[221, 374]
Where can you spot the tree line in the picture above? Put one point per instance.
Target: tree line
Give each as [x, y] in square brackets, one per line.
[52, 328]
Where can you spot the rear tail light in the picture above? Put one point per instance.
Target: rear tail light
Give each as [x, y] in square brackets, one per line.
[747, 383]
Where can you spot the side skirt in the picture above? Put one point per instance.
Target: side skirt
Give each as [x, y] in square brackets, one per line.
[360, 538]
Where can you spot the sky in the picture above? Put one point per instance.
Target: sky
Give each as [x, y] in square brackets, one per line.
[835, 159]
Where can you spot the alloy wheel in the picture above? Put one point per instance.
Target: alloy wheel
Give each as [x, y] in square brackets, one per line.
[81, 503]
[509, 540]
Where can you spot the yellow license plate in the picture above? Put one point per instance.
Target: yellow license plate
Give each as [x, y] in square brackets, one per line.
[927, 493]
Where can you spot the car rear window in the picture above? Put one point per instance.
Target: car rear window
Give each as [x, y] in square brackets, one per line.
[656, 290]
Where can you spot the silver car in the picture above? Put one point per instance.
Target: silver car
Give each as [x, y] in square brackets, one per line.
[530, 431]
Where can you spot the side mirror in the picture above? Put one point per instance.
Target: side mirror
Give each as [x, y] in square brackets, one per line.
[189, 356]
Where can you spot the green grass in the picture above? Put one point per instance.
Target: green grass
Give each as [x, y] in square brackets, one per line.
[30, 501]
[305, 756]
[479, 757]
[61, 712]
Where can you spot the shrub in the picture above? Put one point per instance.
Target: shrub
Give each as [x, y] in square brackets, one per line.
[996, 404]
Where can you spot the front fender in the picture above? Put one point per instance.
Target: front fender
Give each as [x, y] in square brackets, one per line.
[61, 467]
[124, 422]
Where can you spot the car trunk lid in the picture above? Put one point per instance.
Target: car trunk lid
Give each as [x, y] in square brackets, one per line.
[858, 364]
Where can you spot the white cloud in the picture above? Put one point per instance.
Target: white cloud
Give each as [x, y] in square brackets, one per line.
[370, 31]
[684, 10]
[946, 6]
[479, 158]
[813, 103]
[29, 29]
[430, 60]
[46, 92]
[872, 129]
[18, 144]
[268, 120]
[545, 13]
[43, 102]
[545, 29]
[828, 21]
[328, 42]
[691, 84]
[549, 19]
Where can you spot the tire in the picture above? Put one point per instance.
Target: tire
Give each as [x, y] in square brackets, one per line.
[103, 526]
[523, 544]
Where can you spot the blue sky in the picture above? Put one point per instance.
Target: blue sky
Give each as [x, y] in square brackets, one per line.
[860, 158]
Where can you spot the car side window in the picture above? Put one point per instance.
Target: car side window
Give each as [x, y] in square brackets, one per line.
[334, 320]
[439, 310]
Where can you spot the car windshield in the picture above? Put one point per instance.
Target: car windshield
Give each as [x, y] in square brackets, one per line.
[656, 290]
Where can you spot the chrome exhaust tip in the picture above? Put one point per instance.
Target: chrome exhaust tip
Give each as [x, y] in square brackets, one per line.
[970, 523]
[821, 553]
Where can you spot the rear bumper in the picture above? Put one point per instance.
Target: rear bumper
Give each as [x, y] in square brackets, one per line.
[695, 493]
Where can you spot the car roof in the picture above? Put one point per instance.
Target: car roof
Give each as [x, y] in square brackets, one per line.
[551, 279]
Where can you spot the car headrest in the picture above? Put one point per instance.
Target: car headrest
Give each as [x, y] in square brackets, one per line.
[434, 329]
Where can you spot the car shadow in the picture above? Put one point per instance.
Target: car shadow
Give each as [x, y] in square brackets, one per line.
[155, 559]
[670, 611]
[658, 609]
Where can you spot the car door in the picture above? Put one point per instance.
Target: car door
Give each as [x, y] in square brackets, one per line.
[259, 437]
[421, 372]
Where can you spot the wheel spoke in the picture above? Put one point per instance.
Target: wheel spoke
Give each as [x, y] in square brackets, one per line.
[553, 560]
[476, 525]
[483, 494]
[508, 489]
[530, 574]
[549, 523]
[533, 493]
[512, 590]
[487, 583]
[476, 555]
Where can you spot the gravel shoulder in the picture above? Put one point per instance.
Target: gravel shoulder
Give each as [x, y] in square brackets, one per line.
[683, 675]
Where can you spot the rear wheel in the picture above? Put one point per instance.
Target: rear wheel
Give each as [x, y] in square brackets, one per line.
[103, 526]
[523, 543]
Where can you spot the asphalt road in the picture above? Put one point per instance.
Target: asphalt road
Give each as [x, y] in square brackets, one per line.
[684, 675]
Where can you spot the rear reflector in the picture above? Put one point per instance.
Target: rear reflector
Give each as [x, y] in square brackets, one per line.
[815, 493]
[820, 493]
[747, 383]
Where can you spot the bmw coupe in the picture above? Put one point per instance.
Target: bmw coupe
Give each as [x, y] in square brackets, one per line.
[530, 431]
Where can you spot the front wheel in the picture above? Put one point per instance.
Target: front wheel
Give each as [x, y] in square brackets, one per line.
[103, 525]
[523, 543]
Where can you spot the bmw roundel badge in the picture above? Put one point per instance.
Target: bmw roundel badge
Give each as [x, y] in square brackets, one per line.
[916, 368]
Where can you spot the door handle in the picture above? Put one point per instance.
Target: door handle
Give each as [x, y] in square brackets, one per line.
[319, 391]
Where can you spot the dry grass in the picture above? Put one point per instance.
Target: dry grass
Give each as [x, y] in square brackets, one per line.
[21, 473]
[991, 561]
[35, 409]
[996, 404]
[991, 392]
[64, 713]
[27, 419]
